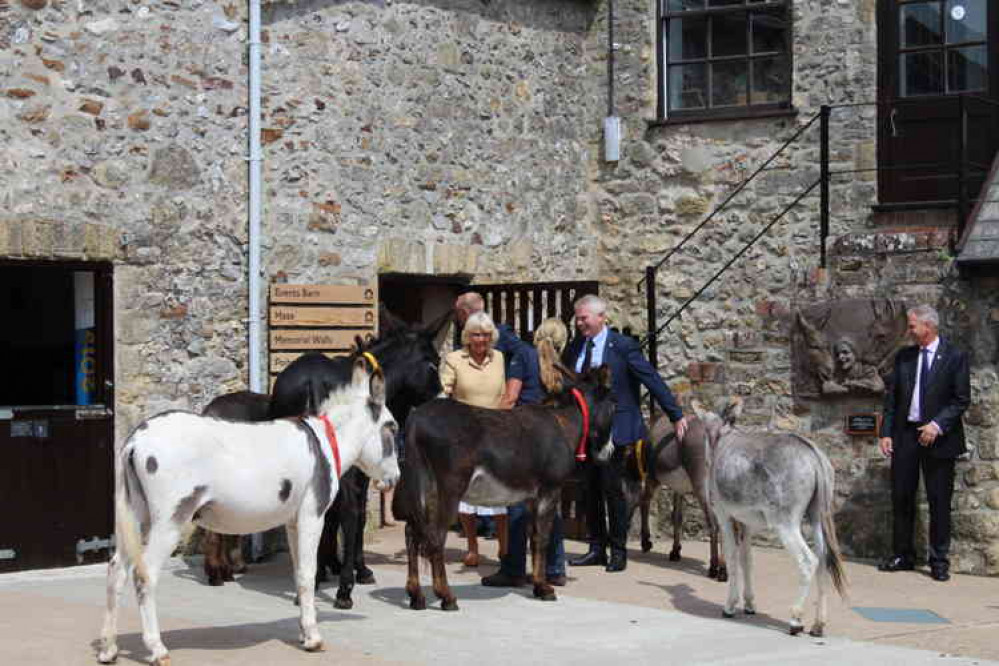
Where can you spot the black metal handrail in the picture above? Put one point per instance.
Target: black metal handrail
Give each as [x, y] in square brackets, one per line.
[826, 176]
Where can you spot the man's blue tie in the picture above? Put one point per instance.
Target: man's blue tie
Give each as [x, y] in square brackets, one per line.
[924, 373]
[587, 356]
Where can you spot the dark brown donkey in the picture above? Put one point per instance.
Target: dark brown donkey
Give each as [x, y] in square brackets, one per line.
[682, 466]
[495, 457]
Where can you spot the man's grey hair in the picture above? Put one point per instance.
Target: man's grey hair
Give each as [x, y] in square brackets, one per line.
[926, 314]
[593, 303]
[471, 302]
[479, 322]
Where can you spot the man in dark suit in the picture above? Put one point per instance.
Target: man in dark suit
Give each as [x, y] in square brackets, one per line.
[929, 390]
[607, 515]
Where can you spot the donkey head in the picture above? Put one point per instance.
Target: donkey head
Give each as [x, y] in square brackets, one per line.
[716, 425]
[377, 458]
[411, 361]
[595, 386]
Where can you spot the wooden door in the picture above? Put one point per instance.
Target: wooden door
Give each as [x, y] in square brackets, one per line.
[931, 52]
[56, 421]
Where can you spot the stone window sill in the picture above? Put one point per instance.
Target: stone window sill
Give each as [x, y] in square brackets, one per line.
[725, 116]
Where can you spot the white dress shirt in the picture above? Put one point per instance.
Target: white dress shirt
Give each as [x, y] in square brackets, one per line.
[597, 355]
[914, 415]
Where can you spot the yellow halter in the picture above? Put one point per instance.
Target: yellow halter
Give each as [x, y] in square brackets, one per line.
[372, 360]
[640, 459]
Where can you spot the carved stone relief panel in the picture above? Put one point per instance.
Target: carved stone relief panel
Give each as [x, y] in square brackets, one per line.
[845, 348]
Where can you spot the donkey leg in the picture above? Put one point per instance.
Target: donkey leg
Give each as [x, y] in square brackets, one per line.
[234, 553]
[117, 576]
[648, 491]
[435, 552]
[730, 545]
[746, 567]
[364, 575]
[416, 599]
[807, 562]
[214, 558]
[163, 539]
[541, 529]
[677, 516]
[348, 520]
[309, 528]
[821, 579]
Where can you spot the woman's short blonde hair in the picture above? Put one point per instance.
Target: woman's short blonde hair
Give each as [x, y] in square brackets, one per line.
[479, 322]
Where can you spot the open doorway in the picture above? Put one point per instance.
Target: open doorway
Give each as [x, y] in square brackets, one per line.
[420, 299]
[56, 413]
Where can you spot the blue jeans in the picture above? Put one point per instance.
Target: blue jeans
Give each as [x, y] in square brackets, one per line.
[514, 563]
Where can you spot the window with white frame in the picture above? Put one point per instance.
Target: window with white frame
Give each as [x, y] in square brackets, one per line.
[725, 57]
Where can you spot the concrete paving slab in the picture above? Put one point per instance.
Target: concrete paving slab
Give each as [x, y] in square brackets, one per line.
[654, 613]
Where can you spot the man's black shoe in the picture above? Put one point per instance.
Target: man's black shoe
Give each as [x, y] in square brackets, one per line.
[617, 563]
[896, 563]
[557, 581]
[940, 572]
[591, 559]
[500, 579]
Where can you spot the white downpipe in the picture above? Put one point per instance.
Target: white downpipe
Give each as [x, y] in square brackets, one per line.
[256, 376]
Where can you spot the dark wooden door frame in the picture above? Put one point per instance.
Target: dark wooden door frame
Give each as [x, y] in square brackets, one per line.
[73, 456]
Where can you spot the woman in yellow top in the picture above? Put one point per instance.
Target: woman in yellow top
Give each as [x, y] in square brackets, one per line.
[474, 375]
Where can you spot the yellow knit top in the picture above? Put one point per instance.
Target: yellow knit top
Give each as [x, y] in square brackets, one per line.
[466, 381]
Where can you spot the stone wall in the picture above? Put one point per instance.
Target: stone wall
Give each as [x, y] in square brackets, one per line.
[460, 137]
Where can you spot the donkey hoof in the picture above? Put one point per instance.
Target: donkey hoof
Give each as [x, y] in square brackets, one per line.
[795, 629]
[646, 545]
[216, 581]
[418, 603]
[818, 631]
[162, 661]
[674, 555]
[108, 655]
[313, 645]
[728, 614]
[749, 610]
[722, 576]
[366, 577]
[228, 577]
[449, 604]
[345, 603]
[545, 593]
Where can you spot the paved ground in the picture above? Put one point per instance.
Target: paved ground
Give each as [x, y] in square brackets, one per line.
[654, 613]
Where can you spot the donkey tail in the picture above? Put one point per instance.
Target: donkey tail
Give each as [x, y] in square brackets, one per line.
[130, 498]
[821, 513]
[416, 495]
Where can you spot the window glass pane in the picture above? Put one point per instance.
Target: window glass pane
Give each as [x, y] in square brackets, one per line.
[728, 35]
[922, 73]
[724, 3]
[966, 69]
[770, 81]
[688, 87]
[688, 38]
[684, 5]
[729, 85]
[920, 24]
[769, 31]
[965, 21]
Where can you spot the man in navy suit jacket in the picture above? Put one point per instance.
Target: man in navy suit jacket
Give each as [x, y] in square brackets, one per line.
[605, 483]
[929, 390]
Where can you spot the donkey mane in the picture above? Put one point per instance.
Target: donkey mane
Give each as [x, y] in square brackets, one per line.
[340, 396]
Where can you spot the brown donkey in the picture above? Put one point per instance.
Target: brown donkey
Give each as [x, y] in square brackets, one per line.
[682, 466]
[496, 457]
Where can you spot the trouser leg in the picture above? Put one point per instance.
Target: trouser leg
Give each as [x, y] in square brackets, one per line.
[938, 477]
[617, 505]
[514, 563]
[904, 482]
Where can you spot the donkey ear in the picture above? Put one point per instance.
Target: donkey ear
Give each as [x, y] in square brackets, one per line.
[732, 411]
[378, 387]
[698, 408]
[359, 375]
[388, 322]
[566, 372]
[604, 376]
[437, 325]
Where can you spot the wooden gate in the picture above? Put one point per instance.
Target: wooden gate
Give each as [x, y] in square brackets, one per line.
[56, 421]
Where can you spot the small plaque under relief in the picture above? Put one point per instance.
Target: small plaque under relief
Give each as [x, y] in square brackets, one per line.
[863, 424]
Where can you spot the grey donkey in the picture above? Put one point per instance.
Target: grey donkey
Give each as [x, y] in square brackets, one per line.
[759, 480]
